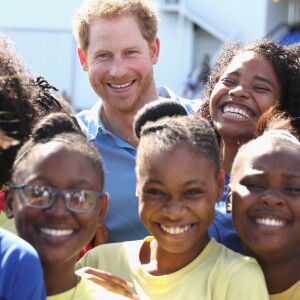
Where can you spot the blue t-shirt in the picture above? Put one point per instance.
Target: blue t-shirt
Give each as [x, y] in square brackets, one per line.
[120, 180]
[21, 274]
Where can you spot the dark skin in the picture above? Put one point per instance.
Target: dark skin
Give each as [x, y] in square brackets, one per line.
[265, 195]
[178, 198]
[166, 264]
[42, 227]
[55, 286]
[245, 90]
[280, 274]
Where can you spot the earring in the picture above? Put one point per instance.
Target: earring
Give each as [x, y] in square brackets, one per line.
[228, 204]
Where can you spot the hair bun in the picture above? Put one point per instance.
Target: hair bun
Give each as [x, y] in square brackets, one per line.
[156, 110]
[52, 125]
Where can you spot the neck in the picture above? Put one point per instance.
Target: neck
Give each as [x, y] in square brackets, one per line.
[59, 279]
[280, 276]
[228, 152]
[229, 149]
[158, 262]
[120, 123]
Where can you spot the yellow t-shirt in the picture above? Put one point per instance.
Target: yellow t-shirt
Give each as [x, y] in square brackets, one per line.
[293, 293]
[3, 217]
[9, 225]
[217, 273]
[87, 290]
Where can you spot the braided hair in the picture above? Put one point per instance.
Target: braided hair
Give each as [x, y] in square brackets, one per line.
[60, 128]
[167, 132]
[48, 100]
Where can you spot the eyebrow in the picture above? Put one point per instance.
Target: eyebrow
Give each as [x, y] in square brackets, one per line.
[264, 80]
[261, 174]
[189, 182]
[46, 179]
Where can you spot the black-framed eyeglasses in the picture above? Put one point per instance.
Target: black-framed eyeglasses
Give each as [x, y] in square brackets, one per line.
[44, 196]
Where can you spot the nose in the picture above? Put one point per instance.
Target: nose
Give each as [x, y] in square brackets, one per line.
[118, 67]
[173, 209]
[59, 207]
[272, 198]
[239, 91]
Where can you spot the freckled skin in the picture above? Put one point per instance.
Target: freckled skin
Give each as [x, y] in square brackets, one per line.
[118, 54]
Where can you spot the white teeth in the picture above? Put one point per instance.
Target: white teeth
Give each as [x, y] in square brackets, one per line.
[175, 230]
[56, 232]
[270, 222]
[121, 86]
[236, 112]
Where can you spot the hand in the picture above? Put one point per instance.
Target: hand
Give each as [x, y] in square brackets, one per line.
[108, 281]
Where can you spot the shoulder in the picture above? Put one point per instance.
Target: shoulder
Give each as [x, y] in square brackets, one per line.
[95, 257]
[192, 106]
[89, 120]
[15, 245]
[239, 275]
[21, 268]
[233, 261]
[292, 293]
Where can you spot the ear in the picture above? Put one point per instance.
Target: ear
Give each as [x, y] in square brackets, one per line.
[82, 58]
[136, 188]
[103, 209]
[229, 200]
[154, 50]
[9, 204]
[221, 182]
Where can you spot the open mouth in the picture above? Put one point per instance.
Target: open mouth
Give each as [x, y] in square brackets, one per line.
[175, 230]
[56, 232]
[237, 111]
[273, 222]
[121, 86]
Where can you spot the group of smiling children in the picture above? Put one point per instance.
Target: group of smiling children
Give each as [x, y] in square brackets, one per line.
[57, 200]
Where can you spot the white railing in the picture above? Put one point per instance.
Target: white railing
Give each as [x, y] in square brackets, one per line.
[172, 2]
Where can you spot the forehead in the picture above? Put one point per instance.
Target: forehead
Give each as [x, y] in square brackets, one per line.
[50, 155]
[174, 159]
[105, 31]
[268, 157]
[251, 59]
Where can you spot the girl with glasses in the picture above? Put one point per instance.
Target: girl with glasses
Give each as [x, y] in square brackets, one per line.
[57, 201]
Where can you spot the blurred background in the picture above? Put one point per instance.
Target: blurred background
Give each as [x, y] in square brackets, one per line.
[191, 32]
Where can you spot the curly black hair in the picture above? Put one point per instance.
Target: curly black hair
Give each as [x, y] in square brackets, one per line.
[16, 109]
[174, 128]
[286, 67]
[23, 101]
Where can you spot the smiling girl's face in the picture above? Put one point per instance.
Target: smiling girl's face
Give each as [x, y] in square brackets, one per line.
[265, 194]
[57, 233]
[246, 89]
[177, 190]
